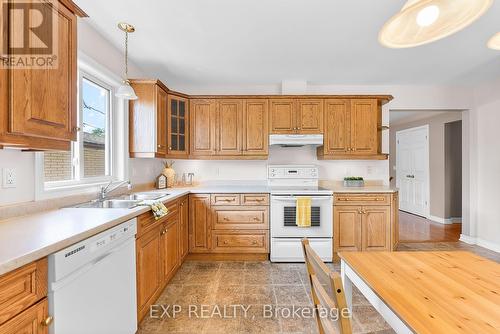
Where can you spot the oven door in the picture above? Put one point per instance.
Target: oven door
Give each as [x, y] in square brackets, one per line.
[283, 215]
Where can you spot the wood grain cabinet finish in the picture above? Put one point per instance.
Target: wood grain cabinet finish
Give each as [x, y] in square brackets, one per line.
[148, 120]
[22, 288]
[229, 127]
[242, 217]
[38, 106]
[254, 199]
[241, 241]
[296, 116]
[199, 223]
[225, 199]
[149, 269]
[255, 127]
[170, 236]
[352, 129]
[184, 227]
[203, 127]
[365, 222]
[31, 321]
[178, 127]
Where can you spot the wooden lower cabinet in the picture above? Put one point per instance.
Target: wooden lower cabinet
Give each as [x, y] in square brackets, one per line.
[365, 222]
[158, 254]
[34, 320]
[184, 227]
[23, 300]
[199, 223]
[149, 269]
[170, 246]
[240, 241]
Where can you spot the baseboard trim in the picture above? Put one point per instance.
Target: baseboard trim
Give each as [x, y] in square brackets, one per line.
[480, 242]
[227, 257]
[445, 221]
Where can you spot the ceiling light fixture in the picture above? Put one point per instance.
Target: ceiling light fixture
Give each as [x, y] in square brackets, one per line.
[125, 91]
[424, 21]
[494, 42]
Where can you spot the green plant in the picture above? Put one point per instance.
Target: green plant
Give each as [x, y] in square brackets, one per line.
[353, 178]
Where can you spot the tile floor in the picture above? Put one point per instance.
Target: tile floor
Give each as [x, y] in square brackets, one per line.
[256, 284]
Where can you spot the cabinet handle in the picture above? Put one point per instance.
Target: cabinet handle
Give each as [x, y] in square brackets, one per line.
[226, 219]
[170, 147]
[229, 200]
[225, 242]
[364, 212]
[254, 242]
[47, 321]
[360, 212]
[76, 129]
[163, 232]
[256, 218]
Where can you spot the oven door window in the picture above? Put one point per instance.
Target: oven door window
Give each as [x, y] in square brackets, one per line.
[289, 214]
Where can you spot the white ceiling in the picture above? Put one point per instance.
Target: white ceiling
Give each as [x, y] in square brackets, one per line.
[403, 116]
[254, 42]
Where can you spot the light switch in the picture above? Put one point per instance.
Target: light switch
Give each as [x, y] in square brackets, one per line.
[9, 178]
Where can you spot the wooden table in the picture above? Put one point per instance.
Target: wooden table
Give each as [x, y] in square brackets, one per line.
[427, 292]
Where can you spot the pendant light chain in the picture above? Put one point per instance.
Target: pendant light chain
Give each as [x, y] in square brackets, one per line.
[126, 55]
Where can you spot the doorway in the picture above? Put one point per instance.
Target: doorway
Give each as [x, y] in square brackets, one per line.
[412, 170]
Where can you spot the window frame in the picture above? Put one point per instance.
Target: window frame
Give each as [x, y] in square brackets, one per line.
[116, 139]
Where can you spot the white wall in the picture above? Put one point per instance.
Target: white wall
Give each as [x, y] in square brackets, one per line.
[484, 166]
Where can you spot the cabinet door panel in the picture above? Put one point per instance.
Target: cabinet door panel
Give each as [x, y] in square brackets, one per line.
[184, 227]
[282, 116]
[376, 228]
[177, 126]
[161, 121]
[203, 115]
[43, 101]
[310, 116]
[347, 228]
[199, 223]
[29, 321]
[170, 246]
[337, 126]
[229, 126]
[149, 267]
[255, 128]
[364, 126]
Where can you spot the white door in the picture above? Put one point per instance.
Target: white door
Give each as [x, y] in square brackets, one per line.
[412, 170]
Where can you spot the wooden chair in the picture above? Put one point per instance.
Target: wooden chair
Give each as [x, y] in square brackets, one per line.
[327, 293]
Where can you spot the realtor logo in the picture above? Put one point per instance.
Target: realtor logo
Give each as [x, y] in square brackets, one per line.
[29, 34]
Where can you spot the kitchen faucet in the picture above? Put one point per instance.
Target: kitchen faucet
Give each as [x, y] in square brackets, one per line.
[104, 189]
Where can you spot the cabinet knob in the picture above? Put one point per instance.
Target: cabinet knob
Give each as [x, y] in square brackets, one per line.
[76, 129]
[47, 321]
[170, 147]
[225, 242]
[255, 218]
[254, 242]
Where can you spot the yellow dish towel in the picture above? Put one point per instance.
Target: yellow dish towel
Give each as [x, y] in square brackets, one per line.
[303, 212]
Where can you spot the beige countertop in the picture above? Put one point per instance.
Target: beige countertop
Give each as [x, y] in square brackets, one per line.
[29, 238]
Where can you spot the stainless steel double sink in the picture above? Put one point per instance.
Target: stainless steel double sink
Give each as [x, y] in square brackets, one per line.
[122, 202]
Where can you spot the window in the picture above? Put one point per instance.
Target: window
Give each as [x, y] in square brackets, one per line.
[90, 157]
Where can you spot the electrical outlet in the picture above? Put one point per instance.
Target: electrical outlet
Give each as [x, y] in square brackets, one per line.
[9, 178]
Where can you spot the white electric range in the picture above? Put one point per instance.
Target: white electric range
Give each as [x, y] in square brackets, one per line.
[287, 182]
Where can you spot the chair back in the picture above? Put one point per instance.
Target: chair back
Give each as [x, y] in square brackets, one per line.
[328, 296]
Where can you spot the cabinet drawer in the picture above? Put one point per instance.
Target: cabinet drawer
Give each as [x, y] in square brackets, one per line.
[362, 199]
[22, 288]
[254, 199]
[147, 221]
[241, 218]
[225, 199]
[241, 242]
[30, 321]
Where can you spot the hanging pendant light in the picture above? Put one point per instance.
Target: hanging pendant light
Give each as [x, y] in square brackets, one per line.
[424, 21]
[125, 91]
[494, 42]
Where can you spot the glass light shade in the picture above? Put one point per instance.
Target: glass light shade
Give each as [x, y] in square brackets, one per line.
[126, 92]
[424, 21]
[494, 42]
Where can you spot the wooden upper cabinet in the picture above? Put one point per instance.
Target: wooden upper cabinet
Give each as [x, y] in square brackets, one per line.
[203, 115]
[364, 126]
[161, 121]
[309, 117]
[337, 126]
[296, 116]
[148, 120]
[229, 126]
[38, 107]
[199, 223]
[178, 126]
[255, 127]
[282, 116]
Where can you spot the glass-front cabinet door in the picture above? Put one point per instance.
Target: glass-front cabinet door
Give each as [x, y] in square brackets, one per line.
[178, 126]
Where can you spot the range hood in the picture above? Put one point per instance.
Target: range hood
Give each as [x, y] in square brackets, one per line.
[296, 140]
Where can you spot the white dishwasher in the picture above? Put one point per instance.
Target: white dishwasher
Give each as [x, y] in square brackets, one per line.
[92, 286]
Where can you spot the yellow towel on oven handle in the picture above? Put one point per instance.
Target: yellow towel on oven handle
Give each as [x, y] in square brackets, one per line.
[303, 212]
